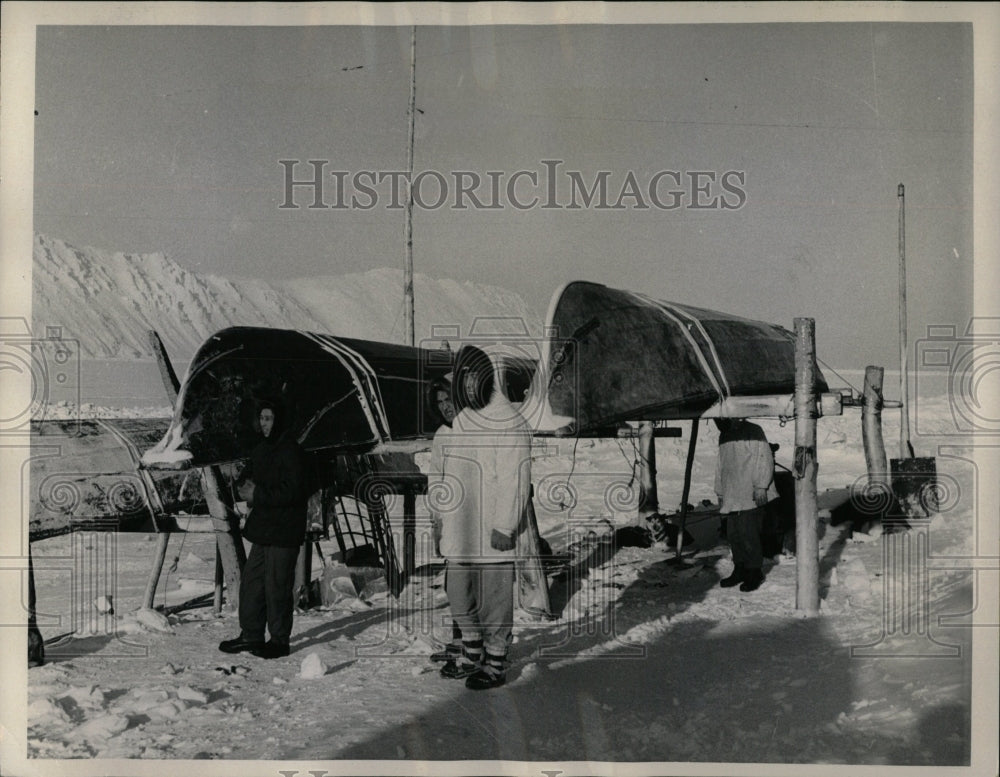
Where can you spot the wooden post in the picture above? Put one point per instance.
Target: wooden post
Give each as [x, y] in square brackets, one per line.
[806, 536]
[692, 444]
[871, 429]
[227, 535]
[160, 554]
[303, 574]
[36, 645]
[219, 580]
[409, 531]
[649, 503]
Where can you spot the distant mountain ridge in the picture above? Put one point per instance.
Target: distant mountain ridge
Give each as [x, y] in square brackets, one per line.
[108, 301]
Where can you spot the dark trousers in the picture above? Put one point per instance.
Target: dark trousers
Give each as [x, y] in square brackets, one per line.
[267, 592]
[456, 632]
[743, 530]
[481, 597]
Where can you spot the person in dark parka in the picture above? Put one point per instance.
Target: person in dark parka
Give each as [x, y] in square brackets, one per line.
[276, 526]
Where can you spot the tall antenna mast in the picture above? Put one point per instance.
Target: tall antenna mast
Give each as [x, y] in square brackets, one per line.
[905, 450]
[408, 267]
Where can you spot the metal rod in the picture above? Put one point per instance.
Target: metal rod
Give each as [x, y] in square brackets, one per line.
[905, 450]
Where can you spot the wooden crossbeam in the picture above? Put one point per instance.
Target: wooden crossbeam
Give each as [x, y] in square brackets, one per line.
[771, 406]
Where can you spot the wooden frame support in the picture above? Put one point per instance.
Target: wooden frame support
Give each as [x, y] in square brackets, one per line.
[774, 405]
[229, 545]
[36, 645]
[806, 509]
[871, 429]
[685, 492]
[649, 503]
[409, 532]
[171, 385]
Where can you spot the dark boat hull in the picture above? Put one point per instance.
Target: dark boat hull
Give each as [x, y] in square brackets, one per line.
[337, 394]
[619, 356]
[84, 475]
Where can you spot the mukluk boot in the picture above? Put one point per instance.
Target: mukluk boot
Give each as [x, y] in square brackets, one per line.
[735, 578]
[752, 580]
[453, 650]
[466, 664]
[491, 674]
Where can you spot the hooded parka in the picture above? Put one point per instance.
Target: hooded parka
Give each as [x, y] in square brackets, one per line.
[278, 514]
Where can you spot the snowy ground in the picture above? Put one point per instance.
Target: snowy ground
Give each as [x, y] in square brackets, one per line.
[648, 661]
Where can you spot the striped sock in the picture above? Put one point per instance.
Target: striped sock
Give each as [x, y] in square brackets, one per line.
[493, 664]
[472, 650]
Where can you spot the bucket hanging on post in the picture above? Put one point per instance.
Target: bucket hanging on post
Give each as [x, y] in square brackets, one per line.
[914, 484]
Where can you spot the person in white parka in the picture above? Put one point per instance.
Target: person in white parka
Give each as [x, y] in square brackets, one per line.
[487, 454]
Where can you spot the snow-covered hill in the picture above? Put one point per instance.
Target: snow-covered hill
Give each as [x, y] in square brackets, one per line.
[108, 301]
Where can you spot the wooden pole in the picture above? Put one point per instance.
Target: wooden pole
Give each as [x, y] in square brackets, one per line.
[227, 535]
[871, 429]
[219, 580]
[170, 381]
[159, 555]
[905, 450]
[409, 532]
[408, 267]
[806, 536]
[171, 385]
[303, 574]
[649, 503]
[229, 545]
[36, 645]
[692, 444]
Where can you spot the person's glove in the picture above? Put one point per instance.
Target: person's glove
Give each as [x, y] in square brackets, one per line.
[501, 541]
[247, 492]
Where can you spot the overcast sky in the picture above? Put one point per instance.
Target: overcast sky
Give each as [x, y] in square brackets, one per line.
[169, 139]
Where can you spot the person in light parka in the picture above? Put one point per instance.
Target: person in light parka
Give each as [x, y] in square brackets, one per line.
[487, 455]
